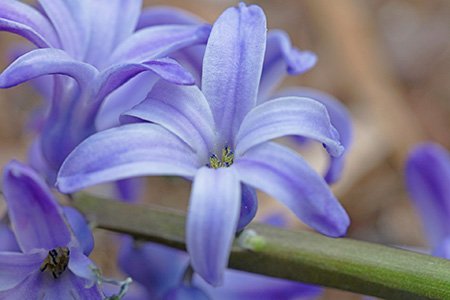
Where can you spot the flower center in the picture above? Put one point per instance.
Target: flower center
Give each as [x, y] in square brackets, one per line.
[225, 161]
[56, 261]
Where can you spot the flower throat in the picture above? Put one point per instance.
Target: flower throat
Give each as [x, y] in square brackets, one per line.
[225, 161]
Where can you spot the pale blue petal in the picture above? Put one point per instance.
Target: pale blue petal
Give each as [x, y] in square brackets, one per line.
[15, 267]
[212, 219]
[442, 249]
[41, 224]
[232, 66]
[111, 23]
[82, 267]
[427, 179]
[183, 111]
[284, 175]
[126, 151]
[45, 62]
[288, 116]
[134, 91]
[80, 228]
[340, 118]
[282, 59]
[165, 68]
[71, 21]
[159, 41]
[22, 19]
[166, 15]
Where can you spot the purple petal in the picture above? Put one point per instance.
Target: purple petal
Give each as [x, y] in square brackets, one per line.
[284, 175]
[15, 267]
[427, 179]
[41, 285]
[114, 105]
[442, 249]
[184, 111]
[82, 267]
[22, 19]
[165, 68]
[123, 152]
[166, 15]
[281, 59]
[7, 238]
[155, 266]
[71, 21]
[340, 119]
[242, 286]
[232, 66]
[184, 292]
[212, 219]
[249, 206]
[45, 62]
[288, 116]
[80, 228]
[116, 22]
[130, 189]
[159, 41]
[41, 224]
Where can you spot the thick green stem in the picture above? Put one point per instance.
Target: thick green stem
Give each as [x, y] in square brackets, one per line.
[342, 263]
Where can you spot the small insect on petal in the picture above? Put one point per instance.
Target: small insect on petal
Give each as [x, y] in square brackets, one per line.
[56, 261]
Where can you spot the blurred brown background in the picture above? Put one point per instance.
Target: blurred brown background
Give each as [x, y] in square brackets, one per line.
[387, 60]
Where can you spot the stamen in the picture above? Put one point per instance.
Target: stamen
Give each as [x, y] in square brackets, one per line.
[56, 261]
[226, 160]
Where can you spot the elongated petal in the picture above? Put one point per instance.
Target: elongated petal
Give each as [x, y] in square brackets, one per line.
[134, 91]
[80, 228]
[340, 119]
[166, 68]
[41, 285]
[71, 21]
[41, 224]
[155, 266]
[212, 219]
[282, 59]
[288, 116]
[443, 248]
[182, 110]
[159, 41]
[166, 15]
[8, 241]
[45, 62]
[123, 152]
[116, 22]
[82, 267]
[427, 179]
[15, 267]
[232, 66]
[242, 286]
[130, 189]
[284, 175]
[22, 19]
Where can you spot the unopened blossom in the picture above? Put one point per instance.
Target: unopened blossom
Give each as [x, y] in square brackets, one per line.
[50, 263]
[427, 179]
[96, 46]
[219, 137]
